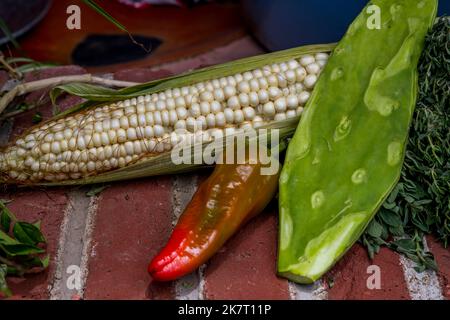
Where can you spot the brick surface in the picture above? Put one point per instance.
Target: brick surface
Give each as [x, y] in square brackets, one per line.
[349, 276]
[47, 206]
[245, 47]
[442, 256]
[141, 74]
[245, 268]
[133, 222]
[53, 72]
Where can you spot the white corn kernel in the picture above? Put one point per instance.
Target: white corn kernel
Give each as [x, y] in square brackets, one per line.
[238, 116]
[310, 81]
[244, 100]
[303, 97]
[215, 107]
[292, 101]
[269, 109]
[313, 68]
[219, 95]
[229, 91]
[205, 108]
[206, 96]
[249, 113]
[291, 114]
[321, 56]
[211, 120]
[263, 96]
[220, 119]
[274, 93]
[158, 130]
[244, 87]
[306, 59]
[280, 104]
[253, 99]
[233, 103]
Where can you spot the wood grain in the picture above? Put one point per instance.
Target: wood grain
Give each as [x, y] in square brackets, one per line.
[186, 32]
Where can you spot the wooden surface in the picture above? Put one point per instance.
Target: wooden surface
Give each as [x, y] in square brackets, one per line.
[185, 32]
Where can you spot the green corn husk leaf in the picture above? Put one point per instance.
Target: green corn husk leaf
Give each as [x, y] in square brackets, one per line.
[161, 164]
[102, 94]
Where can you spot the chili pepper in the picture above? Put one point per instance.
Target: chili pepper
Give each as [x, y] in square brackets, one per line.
[233, 194]
[347, 153]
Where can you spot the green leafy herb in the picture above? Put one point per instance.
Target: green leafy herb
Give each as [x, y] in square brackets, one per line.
[22, 106]
[20, 247]
[37, 117]
[420, 203]
[3, 285]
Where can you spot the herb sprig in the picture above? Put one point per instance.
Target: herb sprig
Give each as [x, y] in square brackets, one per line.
[420, 203]
[21, 244]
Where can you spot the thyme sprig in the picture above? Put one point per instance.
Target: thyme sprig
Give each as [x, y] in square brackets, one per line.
[420, 203]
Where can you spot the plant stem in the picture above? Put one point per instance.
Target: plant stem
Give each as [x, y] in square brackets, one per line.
[8, 67]
[28, 87]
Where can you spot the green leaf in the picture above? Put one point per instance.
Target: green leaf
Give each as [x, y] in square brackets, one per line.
[5, 209]
[29, 262]
[375, 229]
[35, 66]
[85, 90]
[22, 106]
[3, 285]
[5, 239]
[14, 60]
[390, 218]
[37, 224]
[5, 221]
[45, 262]
[397, 231]
[405, 244]
[37, 117]
[105, 14]
[95, 190]
[20, 249]
[28, 233]
[7, 32]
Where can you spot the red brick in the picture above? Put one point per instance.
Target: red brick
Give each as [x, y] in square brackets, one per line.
[3, 78]
[350, 276]
[244, 47]
[53, 72]
[48, 207]
[246, 266]
[141, 75]
[133, 222]
[442, 256]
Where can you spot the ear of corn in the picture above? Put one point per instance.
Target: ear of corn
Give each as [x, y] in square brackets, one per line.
[129, 133]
